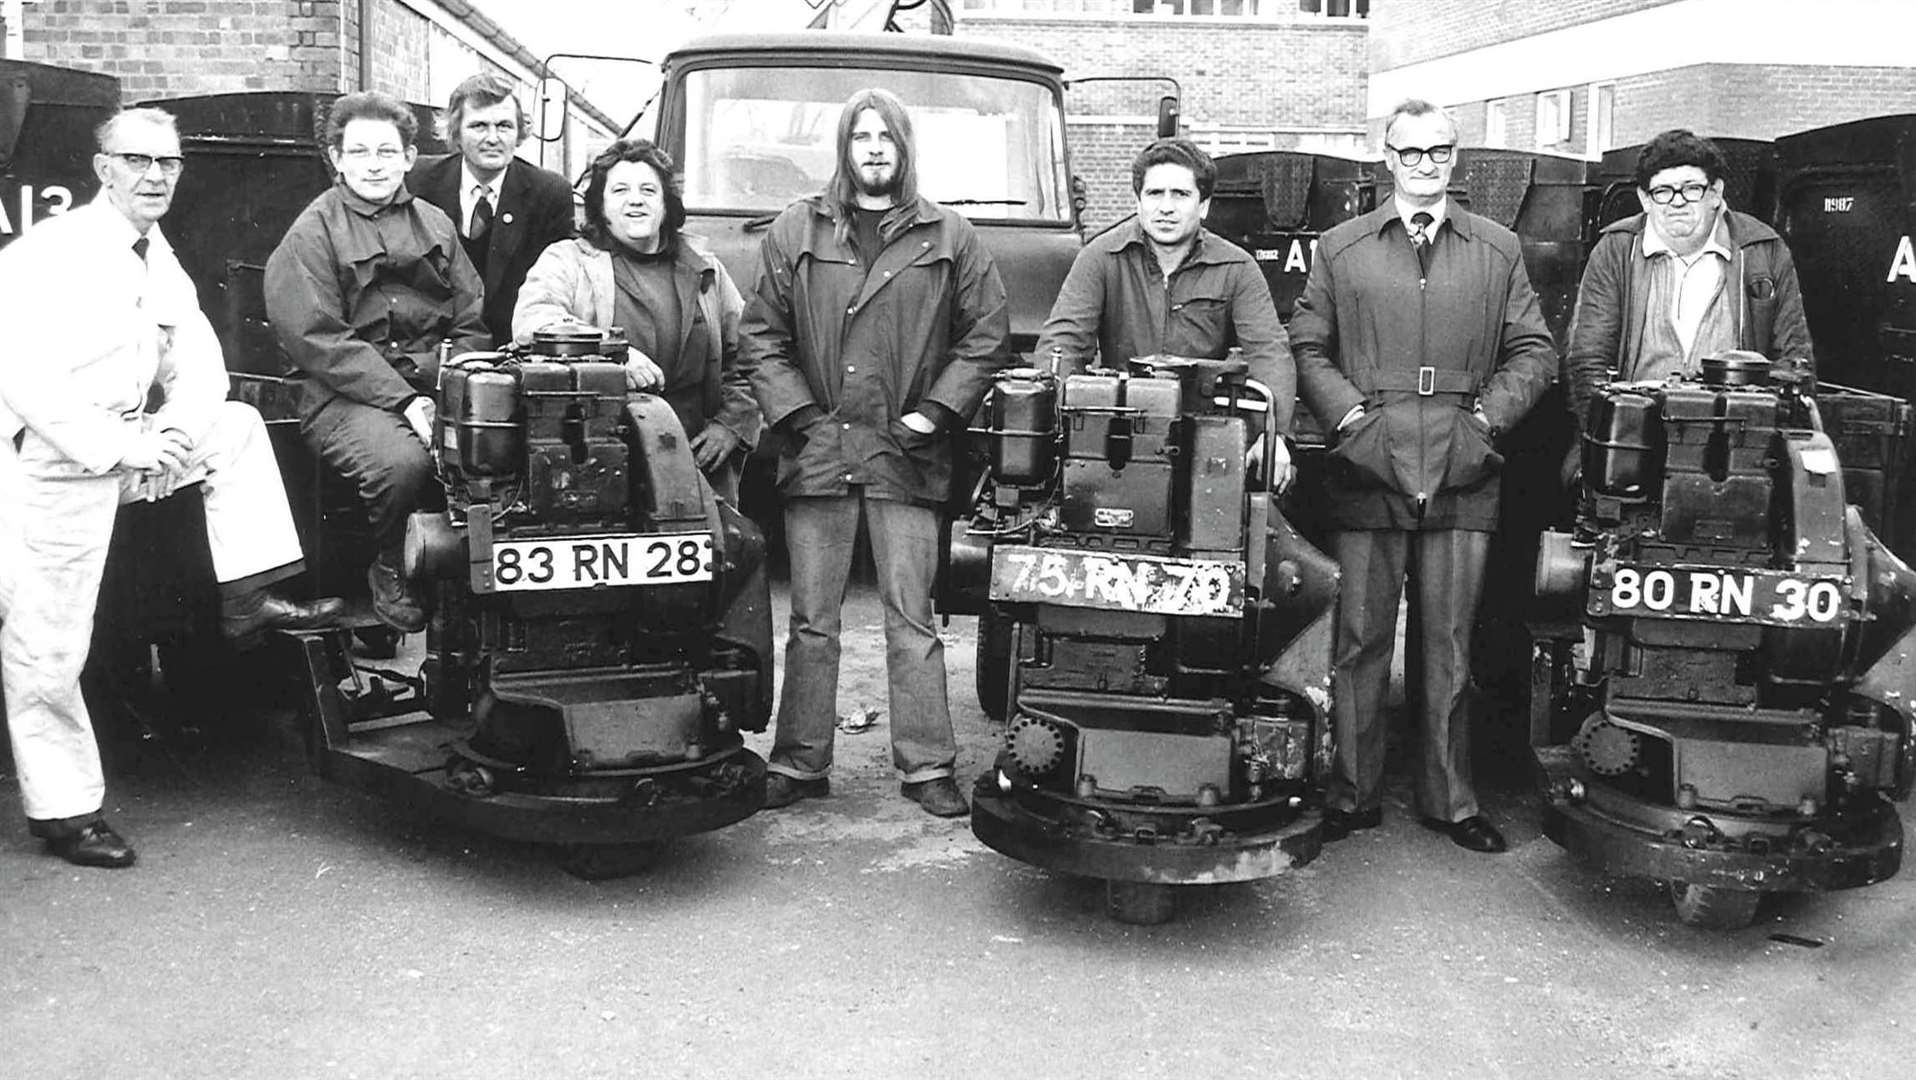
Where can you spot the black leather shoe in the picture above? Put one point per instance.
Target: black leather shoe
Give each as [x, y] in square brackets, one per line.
[1341, 823]
[782, 790]
[93, 844]
[278, 613]
[1474, 832]
[939, 797]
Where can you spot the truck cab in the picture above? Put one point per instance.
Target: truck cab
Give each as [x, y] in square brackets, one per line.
[752, 121]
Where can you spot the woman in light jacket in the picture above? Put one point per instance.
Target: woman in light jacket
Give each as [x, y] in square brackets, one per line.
[632, 268]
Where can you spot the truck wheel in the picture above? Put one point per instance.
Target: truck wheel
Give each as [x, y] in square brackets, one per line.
[603, 862]
[1140, 903]
[994, 665]
[1714, 907]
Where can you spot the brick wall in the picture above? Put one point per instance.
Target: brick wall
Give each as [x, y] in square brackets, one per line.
[401, 63]
[1407, 31]
[166, 48]
[1284, 78]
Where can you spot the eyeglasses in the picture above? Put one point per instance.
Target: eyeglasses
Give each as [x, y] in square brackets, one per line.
[1413, 156]
[1664, 194]
[383, 153]
[140, 163]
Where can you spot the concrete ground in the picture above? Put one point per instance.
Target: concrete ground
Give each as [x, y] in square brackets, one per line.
[281, 926]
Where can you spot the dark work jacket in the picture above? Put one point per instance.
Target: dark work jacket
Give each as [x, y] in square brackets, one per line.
[361, 296]
[1117, 300]
[534, 212]
[926, 322]
[1370, 318]
[1613, 302]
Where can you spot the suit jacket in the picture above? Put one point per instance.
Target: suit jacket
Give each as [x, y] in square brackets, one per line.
[534, 211]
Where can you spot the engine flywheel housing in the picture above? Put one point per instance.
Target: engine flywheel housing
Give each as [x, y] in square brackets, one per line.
[1609, 750]
[1035, 745]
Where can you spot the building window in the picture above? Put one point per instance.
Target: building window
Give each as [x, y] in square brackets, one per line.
[1219, 139]
[1553, 117]
[1603, 117]
[1496, 124]
[1204, 9]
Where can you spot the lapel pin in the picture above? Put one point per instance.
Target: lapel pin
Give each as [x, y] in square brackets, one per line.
[506, 217]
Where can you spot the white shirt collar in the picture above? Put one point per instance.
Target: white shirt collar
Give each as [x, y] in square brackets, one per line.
[1718, 244]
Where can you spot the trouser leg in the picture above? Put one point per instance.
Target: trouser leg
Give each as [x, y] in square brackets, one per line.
[54, 549]
[1450, 580]
[377, 451]
[819, 535]
[249, 526]
[905, 549]
[1372, 563]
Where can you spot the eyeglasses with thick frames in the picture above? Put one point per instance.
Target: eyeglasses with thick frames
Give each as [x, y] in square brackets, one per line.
[1664, 194]
[140, 163]
[1413, 156]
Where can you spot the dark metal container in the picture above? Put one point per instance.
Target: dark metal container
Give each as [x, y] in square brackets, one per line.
[1621, 443]
[1023, 410]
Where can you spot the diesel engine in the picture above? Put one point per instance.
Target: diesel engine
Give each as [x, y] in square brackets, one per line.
[601, 626]
[1724, 679]
[1153, 635]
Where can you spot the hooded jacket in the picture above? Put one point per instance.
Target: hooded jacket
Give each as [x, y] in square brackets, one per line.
[361, 295]
[1613, 302]
[926, 322]
[1421, 351]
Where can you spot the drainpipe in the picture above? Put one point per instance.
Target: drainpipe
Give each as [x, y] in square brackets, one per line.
[365, 44]
[15, 47]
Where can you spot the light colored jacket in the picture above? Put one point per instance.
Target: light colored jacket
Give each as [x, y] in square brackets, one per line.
[573, 283]
[86, 332]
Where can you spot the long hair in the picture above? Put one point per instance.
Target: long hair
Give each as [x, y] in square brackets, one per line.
[596, 230]
[842, 192]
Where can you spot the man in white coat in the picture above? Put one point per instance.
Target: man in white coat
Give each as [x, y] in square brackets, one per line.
[98, 322]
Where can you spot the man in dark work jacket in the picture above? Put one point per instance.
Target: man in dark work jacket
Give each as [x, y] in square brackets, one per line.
[1418, 341]
[508, 210]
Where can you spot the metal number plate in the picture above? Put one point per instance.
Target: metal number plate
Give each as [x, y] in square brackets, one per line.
[1145, 583]
[585, 562]
[1717, 594]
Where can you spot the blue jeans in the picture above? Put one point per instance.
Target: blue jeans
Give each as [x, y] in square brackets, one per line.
[820, 535]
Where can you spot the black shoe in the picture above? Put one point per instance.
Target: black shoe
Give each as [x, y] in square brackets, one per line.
[92, 844]
[1341, 823]
[278, 613]
[939, 797]
[1474, 832]
[782, 790]
[394, 600]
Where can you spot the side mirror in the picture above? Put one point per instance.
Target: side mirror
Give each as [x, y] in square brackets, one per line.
[552, 109]
[1168, 117]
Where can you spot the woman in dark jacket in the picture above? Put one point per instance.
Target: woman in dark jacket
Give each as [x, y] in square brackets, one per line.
[633, 268]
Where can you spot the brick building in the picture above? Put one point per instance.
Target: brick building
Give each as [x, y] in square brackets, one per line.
[1582, 76]
[415, 49]
[1252, 74]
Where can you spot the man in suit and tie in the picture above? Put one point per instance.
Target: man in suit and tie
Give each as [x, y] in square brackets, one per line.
[507, 210]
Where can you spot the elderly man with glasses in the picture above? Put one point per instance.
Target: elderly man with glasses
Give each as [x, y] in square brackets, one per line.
[1685, 279]
[1417, 340]
[113, 390]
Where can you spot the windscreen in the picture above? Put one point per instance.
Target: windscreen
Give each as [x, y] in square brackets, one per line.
[758, 137]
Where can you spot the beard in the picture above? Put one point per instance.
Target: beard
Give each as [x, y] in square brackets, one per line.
[885, 182]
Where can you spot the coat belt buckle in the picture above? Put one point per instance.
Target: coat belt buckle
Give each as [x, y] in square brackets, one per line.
[1426, 381]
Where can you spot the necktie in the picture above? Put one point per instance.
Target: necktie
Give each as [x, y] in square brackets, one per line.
[481, 216]
[140, 246]
[1420, 229]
